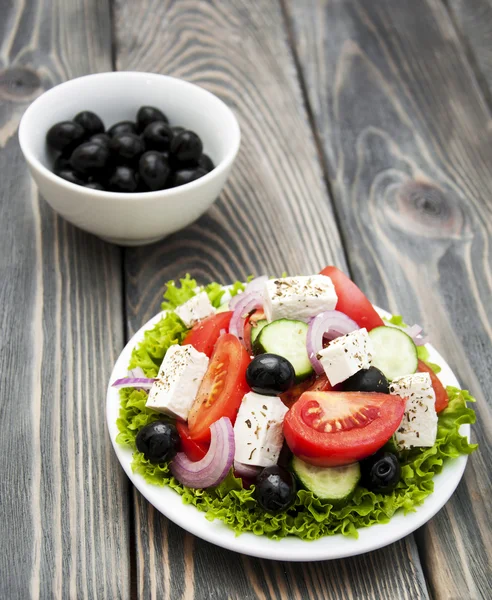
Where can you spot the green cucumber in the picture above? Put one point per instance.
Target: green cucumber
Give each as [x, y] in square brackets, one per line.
[255, 329]
[286, 338]
[335, 484]
[395, 353]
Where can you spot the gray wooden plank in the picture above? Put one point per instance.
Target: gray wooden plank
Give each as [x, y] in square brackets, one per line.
[406, 137]
[63, 498]
[274, 215]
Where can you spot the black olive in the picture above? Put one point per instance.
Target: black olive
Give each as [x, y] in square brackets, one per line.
[275, 489]
[154, 170]
[186, 175]
[367, 380]
[101, 138]
[91, 123]
[122, 127]
[157, 136]
[70, 175]
[158, 441]
[62, 162]
[65, 135]
[90, 157]
[205, 162]
[126, 147]
[270, 374]
[186, 146]
[380, 472]
[95, 185]
[149, 114]
[123, 179]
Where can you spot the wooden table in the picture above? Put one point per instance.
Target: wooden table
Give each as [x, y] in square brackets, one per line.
[367, 142]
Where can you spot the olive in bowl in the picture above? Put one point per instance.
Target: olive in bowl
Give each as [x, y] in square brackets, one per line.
[143, 216]
[270, 374]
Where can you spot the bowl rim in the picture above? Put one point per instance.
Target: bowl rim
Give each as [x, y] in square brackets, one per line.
[35, 163]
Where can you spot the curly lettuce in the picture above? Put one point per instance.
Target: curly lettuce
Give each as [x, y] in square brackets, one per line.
[309, 518]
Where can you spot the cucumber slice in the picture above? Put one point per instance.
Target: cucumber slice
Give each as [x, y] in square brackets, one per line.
[395, 353]
[255, 331]
[286, 338]
[335, 484]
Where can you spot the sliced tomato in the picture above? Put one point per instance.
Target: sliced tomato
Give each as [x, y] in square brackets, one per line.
[442, 399]
[222, 389]
[194, 450]
[205, 334]
[351, 300]
[252, 321]
[313, 384]
[329, 429]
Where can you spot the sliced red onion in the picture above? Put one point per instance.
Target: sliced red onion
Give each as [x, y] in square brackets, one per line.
[247, 304]
[257, 284]
[329, 324]
[415, 332]
[136, 372]
[136, 382]
[214, 466]
[248, 471]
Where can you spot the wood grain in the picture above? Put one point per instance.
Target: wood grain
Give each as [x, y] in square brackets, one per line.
[274, 215]
[63, 499]
[406, 135]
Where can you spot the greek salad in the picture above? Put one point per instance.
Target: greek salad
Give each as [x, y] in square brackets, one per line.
[288, 406]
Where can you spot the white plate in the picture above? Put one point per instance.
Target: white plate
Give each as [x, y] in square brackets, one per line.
[187, 516]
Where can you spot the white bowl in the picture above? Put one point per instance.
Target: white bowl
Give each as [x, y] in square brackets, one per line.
[141, 218]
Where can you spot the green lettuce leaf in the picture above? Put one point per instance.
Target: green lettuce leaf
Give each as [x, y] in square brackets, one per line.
[310, 518]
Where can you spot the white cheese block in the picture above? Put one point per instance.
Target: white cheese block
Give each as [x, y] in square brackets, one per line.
[258, 430]
[196, 308]
[346, 355]
[419, 423]
[298, 298]
[178, 380]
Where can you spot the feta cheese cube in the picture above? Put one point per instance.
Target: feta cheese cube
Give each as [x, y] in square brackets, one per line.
[346, 355]
[298, 297]
[177, 382]
[258, 430]
[419, 423]
[196, 308]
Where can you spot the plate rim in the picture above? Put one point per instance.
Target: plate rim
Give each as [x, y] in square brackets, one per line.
[291, 549]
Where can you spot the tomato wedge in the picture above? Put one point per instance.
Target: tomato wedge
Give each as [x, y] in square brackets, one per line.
[194, 450]
[351, 300]
[222, 389]
[205, 334]
[329, 429]
[257, 315]
[442, 399]
[318, 384]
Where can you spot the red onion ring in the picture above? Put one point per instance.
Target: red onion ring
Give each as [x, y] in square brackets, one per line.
[255, 285]
[248, 471]
[136, 382]
[214, 466]
[329, 324]
[246, 305]
[415, 332]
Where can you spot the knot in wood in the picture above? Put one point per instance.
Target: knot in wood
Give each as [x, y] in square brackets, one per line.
[428, 211]
[18, 83]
